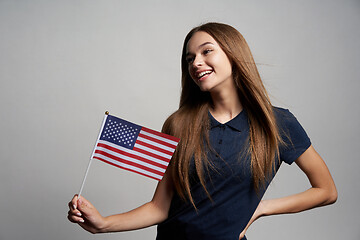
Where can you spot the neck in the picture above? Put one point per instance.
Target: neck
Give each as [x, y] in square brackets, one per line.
[226, 104]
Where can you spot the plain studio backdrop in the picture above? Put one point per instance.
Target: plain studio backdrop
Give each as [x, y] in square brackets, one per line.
[64, 63]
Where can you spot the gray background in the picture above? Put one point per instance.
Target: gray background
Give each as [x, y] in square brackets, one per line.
[63, 63]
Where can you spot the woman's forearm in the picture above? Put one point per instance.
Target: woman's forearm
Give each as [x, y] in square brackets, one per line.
[144, 216]
[322, 192]
[88, 217]
[311, 198]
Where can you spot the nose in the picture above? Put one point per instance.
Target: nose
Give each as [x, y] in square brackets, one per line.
[198, 61]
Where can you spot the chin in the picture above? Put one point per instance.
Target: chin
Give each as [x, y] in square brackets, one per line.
[204, 89]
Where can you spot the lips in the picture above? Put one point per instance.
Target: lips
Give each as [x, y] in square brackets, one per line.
[202, 74]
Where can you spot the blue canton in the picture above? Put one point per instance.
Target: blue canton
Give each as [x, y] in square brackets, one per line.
[120, 132]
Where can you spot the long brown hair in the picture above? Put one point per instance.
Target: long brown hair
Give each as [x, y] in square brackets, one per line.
[191, 122]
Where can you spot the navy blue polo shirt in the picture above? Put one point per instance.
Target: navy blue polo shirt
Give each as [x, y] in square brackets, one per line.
[229, 182]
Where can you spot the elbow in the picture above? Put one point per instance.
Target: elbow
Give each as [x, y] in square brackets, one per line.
[331, 196]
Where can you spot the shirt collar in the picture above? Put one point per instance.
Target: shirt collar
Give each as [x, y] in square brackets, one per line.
[238, 123]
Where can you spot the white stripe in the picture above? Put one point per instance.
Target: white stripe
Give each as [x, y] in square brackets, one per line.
[160, 138]
[135, 153]
[134, 160]
[152, 151]
[128, 166]
[156, 144]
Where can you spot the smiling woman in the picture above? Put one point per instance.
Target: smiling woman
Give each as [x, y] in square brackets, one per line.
[233, 141]
[209, 66]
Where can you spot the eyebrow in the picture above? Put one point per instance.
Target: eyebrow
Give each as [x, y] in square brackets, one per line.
[201, 45]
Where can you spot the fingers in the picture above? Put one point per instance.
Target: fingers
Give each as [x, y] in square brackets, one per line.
[74, 201]
[86, 208]
[74, 215]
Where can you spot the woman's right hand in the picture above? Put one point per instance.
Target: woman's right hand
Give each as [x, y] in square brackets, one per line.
[86, 215]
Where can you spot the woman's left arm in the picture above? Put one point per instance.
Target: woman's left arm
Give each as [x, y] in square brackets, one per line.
[321, 193]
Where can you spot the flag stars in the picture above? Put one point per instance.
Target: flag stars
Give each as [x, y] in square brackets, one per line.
[120, 132]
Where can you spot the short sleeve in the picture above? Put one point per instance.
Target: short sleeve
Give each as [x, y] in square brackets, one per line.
[296, 141]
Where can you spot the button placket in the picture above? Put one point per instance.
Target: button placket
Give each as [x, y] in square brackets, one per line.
[222, 127]
[218, 142]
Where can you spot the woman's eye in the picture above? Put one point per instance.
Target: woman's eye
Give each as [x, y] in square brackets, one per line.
[189, 59]
[206, 51]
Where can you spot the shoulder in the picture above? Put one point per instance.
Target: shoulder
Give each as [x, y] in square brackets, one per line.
[281, 113]
[285, 118]
[168, 126]
[173, 124]
[295, 138]
[289, 126]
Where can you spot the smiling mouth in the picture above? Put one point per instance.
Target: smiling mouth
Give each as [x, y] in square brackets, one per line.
[204, 73]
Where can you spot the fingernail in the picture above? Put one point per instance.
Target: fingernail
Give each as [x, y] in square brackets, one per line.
[74, 206]
[81, 220]
[79, 214]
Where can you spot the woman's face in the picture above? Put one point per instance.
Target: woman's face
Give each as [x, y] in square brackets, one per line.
[208, 64]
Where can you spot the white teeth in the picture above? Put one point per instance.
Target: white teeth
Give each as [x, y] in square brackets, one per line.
[203, 73]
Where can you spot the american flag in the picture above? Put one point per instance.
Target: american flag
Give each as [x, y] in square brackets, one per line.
[135, 148]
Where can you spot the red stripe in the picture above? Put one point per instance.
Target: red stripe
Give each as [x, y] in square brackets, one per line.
[151, 154]
[153, 147]
[127, 168]
[158, 141]
[133, 156]
[128, 162]
[160, 134]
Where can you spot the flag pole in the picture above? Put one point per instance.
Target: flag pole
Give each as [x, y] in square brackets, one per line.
[92, 155]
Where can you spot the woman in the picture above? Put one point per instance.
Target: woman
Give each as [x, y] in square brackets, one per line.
[232, 143]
